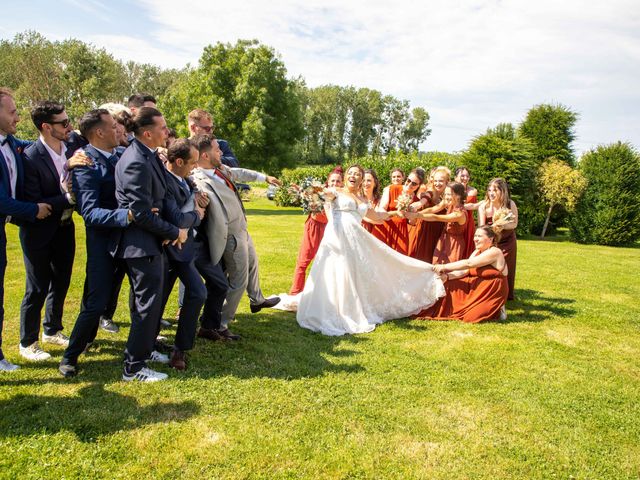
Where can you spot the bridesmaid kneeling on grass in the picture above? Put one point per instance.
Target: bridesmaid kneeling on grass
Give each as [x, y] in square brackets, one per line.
[476, 288]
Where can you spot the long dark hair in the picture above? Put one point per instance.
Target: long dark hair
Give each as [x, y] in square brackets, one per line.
[376, 185]
[458, 189]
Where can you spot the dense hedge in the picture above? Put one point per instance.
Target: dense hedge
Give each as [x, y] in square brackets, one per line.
[609, 212]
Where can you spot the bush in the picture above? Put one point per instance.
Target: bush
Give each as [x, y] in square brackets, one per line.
[609, 212]
[502, 152]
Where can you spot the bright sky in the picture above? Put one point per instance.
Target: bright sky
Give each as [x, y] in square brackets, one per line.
[471, 63]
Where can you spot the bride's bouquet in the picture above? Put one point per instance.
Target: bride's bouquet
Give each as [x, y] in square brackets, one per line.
[403, 202]
[311, 194]
[502, 216]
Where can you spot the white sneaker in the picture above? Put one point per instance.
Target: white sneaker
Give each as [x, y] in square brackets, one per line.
[144, 375]
[503, 313]
[7, 366]
[34, 353]
[158, 357]
[56, 339]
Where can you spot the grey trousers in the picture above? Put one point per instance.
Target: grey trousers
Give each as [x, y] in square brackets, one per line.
[241, 266]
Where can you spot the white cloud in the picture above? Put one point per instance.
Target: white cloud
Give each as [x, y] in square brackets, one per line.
[471, 63]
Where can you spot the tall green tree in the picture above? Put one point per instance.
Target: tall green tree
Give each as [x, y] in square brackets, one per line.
[551, 129]
[74, 73]
[254, 106]
[502, 152]
[608, 212]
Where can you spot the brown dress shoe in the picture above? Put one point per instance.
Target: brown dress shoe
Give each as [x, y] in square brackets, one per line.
[178, 360]
[268, 303]
[209, 334]
[227, 334]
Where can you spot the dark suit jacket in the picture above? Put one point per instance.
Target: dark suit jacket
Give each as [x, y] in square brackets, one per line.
[141, 186]
[95, 189]
[178, 197]
[228, 158]
[41, 185]
[18, 209]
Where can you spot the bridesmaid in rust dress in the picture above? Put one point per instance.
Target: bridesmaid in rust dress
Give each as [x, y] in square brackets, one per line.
[496, 205]
[371, 191]
[424, 239]
[471, 203]
[397, 233]
[311, 237]
[476, 288]
[452, 244]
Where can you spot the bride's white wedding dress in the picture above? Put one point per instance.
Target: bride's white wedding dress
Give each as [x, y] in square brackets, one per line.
[357, 282]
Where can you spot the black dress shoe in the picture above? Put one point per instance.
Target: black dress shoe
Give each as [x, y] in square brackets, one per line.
[268, 303]
[165, 323]
[226, 334]
[209, 334]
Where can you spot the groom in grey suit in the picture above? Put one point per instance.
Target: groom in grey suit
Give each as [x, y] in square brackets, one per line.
[227, 233]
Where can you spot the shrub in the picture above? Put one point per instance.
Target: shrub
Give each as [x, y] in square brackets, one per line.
[609, 212]
[502, 152]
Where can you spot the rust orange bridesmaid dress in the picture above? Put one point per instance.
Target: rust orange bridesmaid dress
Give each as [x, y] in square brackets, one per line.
[452, 244]
[475, 298]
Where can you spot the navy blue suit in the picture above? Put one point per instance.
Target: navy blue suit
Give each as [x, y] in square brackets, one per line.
[9, 206]
[228, 158]
[95, 190]
[181, 261]
[140, 187]
[48, 247]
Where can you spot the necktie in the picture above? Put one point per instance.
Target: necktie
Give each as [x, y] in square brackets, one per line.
[113, 159]
[226, 180]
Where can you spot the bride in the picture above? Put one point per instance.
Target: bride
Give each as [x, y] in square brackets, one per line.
[356, 281]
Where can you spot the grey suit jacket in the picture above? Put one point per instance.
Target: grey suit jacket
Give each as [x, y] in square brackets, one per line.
[225, 214]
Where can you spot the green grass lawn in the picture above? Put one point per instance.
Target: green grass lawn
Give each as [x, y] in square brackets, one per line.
[554, 392]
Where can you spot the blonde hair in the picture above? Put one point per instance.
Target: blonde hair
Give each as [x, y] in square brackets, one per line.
[115, 108]
[197, 115]
[442, 169]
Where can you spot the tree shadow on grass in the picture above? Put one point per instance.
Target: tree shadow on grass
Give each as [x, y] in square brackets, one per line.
[273, 345]
[90, 414]
[532, 306]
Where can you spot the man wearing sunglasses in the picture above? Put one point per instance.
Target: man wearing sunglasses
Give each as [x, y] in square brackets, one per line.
[49, 245]
[201, 123]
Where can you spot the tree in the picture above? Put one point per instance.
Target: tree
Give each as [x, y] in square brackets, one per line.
[502, 152]
[254, 106]
[73, 73]
[608, 213]
[551, 129]
[559, 185]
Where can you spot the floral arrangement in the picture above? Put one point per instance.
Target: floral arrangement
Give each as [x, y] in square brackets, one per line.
[310, 192]
[502, 216]
[403, 202]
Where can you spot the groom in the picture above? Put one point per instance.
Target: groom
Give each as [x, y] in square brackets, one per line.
[227, 233]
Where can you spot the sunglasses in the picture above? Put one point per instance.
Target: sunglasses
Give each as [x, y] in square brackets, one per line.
[65, 123]
[413, 184]
[206, 128]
